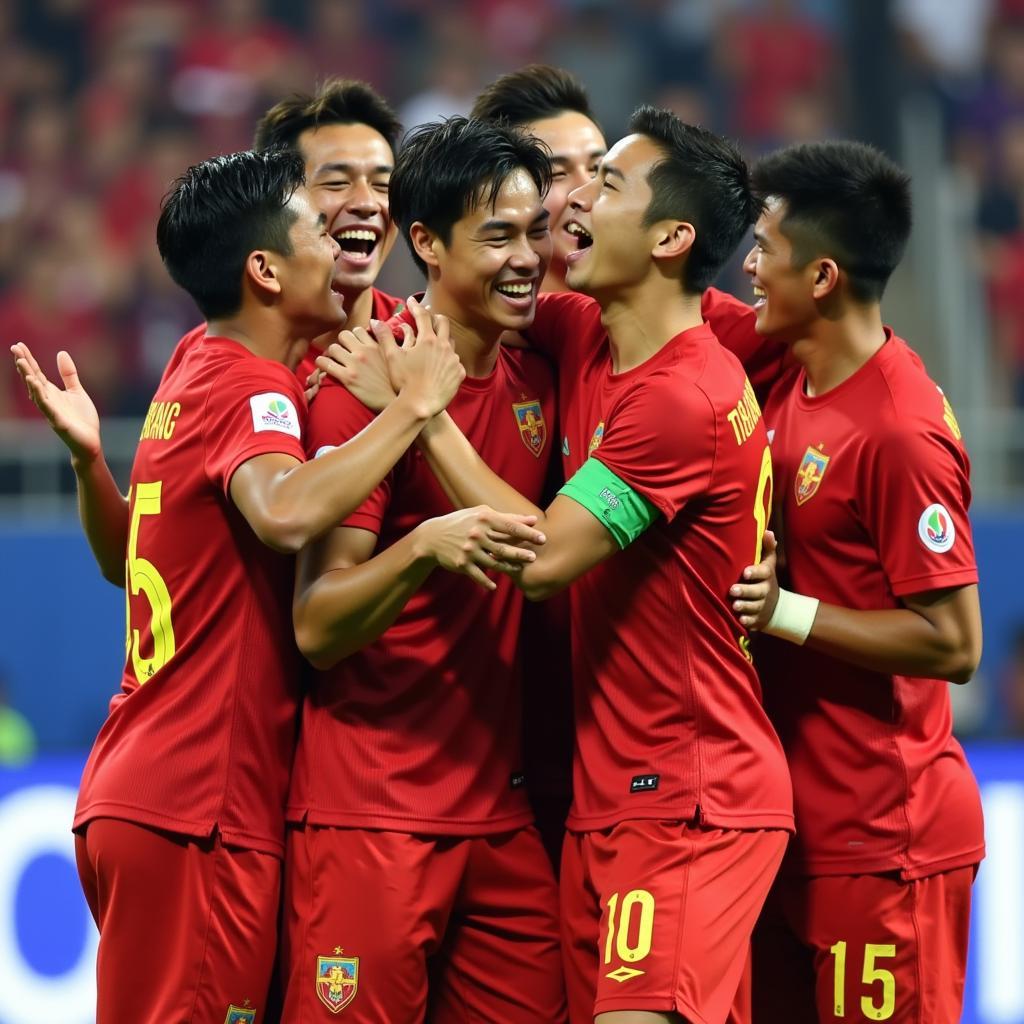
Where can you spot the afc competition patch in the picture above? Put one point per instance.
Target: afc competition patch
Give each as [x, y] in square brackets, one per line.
[274, 411]
[337, 978]
[936, 529]
[810, 474]
[240, 1015]
[596, 440]
[532, 428]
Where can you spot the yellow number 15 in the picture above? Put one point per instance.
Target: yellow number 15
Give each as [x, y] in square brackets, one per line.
[141, 575]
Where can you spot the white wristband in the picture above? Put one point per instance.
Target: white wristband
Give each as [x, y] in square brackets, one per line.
[793, 617]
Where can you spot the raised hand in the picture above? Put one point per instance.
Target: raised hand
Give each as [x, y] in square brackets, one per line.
[473, 539]
[755, 597]
[69, 410]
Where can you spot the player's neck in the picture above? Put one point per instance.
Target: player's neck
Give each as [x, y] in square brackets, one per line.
[265, 336]
[476, 345]
[643, 321]
[835, 350]
[554, 279]
[359, 308]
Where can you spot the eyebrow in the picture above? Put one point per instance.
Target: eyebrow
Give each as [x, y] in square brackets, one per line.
[761, 240]
[507, 225]
[611, 169]
[345, 168]
[594, 154]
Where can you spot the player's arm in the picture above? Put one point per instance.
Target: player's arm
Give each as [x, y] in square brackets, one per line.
[102, 508]
[345, 599]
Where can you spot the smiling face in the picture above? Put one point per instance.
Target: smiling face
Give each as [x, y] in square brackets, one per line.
[577, 146]
[783, 293]
[488, 275]
[309, 296]
[614, 248]
[348, 167]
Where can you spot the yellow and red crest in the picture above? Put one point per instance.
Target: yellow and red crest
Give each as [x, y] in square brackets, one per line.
[532, 428]
[337, 978]
[810, 474]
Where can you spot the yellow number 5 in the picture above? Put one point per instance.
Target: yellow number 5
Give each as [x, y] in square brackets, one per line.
[872, 952]
[143, 576]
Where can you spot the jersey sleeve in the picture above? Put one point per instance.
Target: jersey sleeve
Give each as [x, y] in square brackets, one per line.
[917, 495]
[336, 416]
[249, 412]
[657, 452]
[734, 325]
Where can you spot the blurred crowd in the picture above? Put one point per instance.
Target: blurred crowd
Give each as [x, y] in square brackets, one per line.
[103, 102]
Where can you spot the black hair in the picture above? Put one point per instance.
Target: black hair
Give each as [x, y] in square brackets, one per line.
[702, 179]
[337, 101]
[449, 168]
[846, 200]
[217, 213]
[532, 93]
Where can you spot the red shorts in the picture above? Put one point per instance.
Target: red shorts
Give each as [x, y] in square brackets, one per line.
[187, 926]
[384, 924]
[657, 915]
[863, 947]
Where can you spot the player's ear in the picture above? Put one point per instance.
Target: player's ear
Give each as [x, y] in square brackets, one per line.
[425, 243]
[673, 238]
[826, 277]
[262, 272]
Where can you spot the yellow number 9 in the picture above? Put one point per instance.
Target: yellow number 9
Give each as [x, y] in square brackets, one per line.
[763, 501]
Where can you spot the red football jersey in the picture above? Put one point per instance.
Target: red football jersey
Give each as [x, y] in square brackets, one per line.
[669, 722]
[203, 735]
[871, 500]
[420, 731]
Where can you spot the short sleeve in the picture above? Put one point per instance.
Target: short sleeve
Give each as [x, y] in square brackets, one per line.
[336, 416]
[249, 412]
[734, 325]
[917, 493]
[661, 439]
[564, 321]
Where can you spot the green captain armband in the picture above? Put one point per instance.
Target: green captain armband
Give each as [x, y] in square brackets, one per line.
[623, 512]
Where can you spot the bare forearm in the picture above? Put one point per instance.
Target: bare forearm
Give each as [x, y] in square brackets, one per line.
[346, 609]
[103, 512]
[464, 476]
[897, 640]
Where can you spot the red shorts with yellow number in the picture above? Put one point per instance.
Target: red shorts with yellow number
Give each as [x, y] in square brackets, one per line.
[188, 926]
[863, 948]
[394, 928]
[657, 915]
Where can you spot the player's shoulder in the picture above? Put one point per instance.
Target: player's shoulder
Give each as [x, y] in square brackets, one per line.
[386, 306]
[572, 311]
[912, 402]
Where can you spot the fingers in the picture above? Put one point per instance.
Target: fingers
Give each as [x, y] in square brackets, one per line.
[750, 591]
[477, 576]
[421, 315]
[516, 528]
[68, 371]
[769, 544]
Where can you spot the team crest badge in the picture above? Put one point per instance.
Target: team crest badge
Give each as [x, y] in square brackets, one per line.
[810, 474]
[337, 978]
[596, 440]
[239, 1015]
[532, 428]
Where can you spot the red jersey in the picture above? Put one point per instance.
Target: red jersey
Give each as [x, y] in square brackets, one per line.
[871, 496]
[203, 734]
[420, 730]
[669, 722]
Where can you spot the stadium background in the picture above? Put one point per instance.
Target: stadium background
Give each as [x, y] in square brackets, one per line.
[102, 102]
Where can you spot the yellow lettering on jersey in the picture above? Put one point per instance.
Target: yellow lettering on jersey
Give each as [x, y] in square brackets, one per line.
[160, 421]
[745, 416]
[950, 418]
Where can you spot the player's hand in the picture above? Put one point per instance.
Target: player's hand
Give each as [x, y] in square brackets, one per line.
[356, 360]
[755, 597]
[474, 539]
[69, 410]
[313, 382]
[425, 367]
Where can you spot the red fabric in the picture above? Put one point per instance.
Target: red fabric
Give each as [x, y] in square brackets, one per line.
[476, 918]
[926, 921]
[879, 782]
[695, 893]
[206, 741]
[420, 731]
[688, 711]
[188, 927]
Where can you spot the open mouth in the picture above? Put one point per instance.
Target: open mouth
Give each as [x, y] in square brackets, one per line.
[357, 244]
[518, 294]
[582, 235]
[760, 296]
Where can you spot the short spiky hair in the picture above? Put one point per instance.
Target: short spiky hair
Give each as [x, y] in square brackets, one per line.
[702, 179]
[449, 168]
[846, 200]
[530, 94]
[217, 213]
[337, 101]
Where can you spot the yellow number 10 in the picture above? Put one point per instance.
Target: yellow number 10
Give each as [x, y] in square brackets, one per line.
[142, 576]
[872, 952]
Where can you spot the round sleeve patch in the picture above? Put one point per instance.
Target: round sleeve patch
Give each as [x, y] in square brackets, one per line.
[936, 529]
[274, 411]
